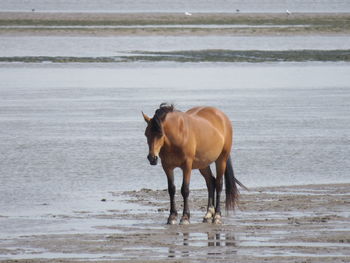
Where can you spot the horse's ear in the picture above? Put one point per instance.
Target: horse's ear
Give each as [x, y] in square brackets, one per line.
[147, 119]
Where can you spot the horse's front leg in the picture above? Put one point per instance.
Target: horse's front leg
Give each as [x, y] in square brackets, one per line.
[185, 191]
[171, 189]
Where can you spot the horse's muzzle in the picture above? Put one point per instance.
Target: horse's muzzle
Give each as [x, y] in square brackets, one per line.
[153, 160]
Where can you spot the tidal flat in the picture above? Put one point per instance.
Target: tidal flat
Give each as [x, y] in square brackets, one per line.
[251, 56]
[308, 223]
[75, 182]
[129, 24]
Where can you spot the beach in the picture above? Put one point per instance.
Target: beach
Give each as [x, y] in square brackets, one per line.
[307, 223]
[75, 182]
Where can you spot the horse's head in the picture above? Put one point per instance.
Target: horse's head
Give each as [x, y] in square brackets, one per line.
[155, 137]
[155, 132]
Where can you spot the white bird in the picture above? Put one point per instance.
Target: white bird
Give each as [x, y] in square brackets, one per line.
[188, 14]
[288, 12]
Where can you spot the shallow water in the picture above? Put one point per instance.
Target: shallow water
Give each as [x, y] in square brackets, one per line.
[121, 6]
[112, 46]
[266, 226]
[179, 26]
[71, 134]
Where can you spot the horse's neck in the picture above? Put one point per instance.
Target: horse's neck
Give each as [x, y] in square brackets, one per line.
[176, 131]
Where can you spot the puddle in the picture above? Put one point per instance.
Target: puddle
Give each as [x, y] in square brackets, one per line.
[49, 256]
[206, 26]
[258, 243]
[208, 239]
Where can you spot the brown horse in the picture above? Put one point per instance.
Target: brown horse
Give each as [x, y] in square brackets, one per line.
[193, 140]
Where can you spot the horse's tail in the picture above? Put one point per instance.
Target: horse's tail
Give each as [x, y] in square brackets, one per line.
[232, 193]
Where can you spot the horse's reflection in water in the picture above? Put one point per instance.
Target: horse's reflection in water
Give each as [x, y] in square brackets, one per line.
[188, 242]
[217, 239]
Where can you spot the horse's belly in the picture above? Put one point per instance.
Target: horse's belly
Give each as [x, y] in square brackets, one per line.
[207, 155]
[201, 164]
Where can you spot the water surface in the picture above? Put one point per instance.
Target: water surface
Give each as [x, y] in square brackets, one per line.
[112, 46]
[123, 6]
[73, 133]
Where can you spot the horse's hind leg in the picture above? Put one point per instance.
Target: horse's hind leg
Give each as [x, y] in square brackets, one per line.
[210, 181]
[220, 170]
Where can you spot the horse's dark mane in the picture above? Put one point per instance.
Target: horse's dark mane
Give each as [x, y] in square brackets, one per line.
[159, 116]
[163, 110]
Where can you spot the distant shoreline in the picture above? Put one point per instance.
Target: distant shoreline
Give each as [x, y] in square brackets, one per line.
[251, 56]
[91, 24]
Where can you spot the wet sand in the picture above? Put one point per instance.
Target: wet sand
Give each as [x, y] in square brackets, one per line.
[11, 23]
[275, 224]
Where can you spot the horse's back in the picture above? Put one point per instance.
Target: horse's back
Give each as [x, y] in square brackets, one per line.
[212, 131]
[213, 116]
